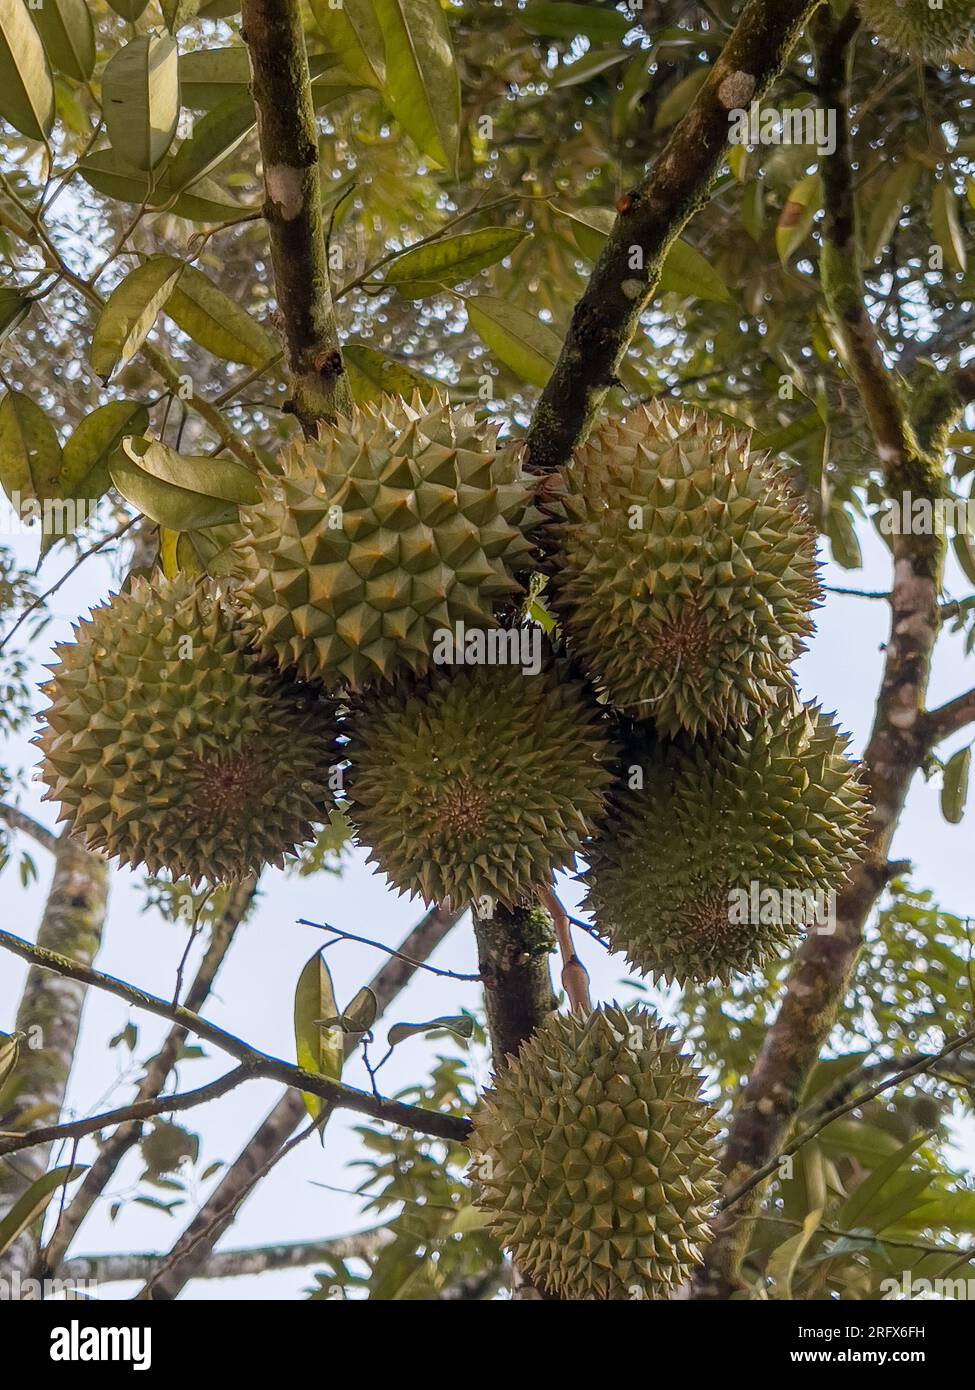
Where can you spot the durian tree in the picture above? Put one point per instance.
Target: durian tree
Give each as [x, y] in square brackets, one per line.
[462, 407]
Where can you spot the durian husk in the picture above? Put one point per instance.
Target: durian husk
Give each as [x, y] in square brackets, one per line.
[595, 1158]
[684, 568]
[402, 519]
[917, 29]
[777, 805]
[477, 781]
[170, 745]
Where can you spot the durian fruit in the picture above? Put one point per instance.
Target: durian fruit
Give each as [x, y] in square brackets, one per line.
[718, 851]
[170, 745]
[476, 781]
[920, 29]
[402, 519]
[684, 568]
[595, 1158]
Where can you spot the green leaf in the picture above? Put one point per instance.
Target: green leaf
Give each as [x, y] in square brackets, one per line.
[32, 1205]
[176, 13]
[220, 479]
[130, 312]
[450, 260]
[9, 1054]
[590, 228]
[129, 9]
[68, 36]
[30, 454]
[753, 210]
[783, 1261]
[361, 1012]
[686, 272]
[354, 36]
[214, 138]
[844, 543]
[319, 1050]
[567, 21]
[797, 217]
[517, 338]
[371, 375]
[954, 787]
[422, 87]
[112, 177]
[965, 555]
[26, 87]
[590, 65]
[680, 98]
[14, 308]
[865, 1197]
[461, 1024]
[140, 99]
[84, 471]
[946, 227]
[886, 205]
[208, 76]
[176, 508]
[215, 321]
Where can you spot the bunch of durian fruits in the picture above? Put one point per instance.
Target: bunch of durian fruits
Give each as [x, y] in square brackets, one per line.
[194, 723]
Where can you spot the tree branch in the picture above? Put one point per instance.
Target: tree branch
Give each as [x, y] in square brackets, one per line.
[941, 723]
[259, 1063]
[27, 825]
[650, 219]
[192, 1250]
[281, 86]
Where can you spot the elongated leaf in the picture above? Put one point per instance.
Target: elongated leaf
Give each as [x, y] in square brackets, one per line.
[354, 36]
[214, 138]
[208, 76]
[589, 66]
[887, 202]
[26, 88]
[461, 1024]
[176, 13]
[686, 271]
[220, 479]
[954, 788]
[798, 215]
[516, 337]
[451, 260]
[320, 1050]
[946, 227]
[361, 1012]
[176, 508]
[844, 543]
[679, 99]
[32, 1205]
[68, 36]
[213, 320]
[130, 311]
[9, 1055]
[140, 99]
[30, 454]
[422, 87]
[782, 1263]
[867, 1196]
[590, 227]
[566, 21]
[112, 177]
[371, 375]
[84, 471]
[14, 308]
[129, 9]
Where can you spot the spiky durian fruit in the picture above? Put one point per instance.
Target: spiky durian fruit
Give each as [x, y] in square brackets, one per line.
[684, 568]
[920, 29]
[476, 781]
[595, 1158]
[401, 520]
[720, 850]
[169, 744]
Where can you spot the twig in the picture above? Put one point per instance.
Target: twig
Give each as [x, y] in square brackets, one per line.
[378, 945]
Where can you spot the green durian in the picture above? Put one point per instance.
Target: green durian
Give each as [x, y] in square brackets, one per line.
[476, 781]
[920, 29]
[169, 744]
[401, 520]
[683, 568]
[595, 1158]
[718, 851]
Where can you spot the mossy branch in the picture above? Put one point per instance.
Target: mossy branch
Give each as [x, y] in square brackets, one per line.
[651, 217]
[281, 85]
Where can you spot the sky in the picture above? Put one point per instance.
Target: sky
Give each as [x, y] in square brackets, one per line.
[254, 992]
